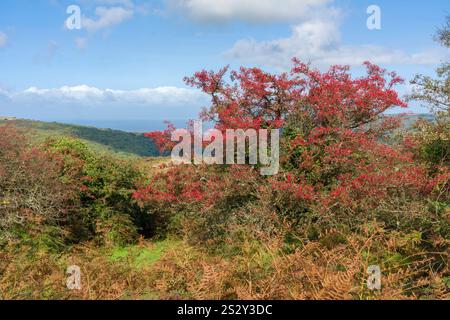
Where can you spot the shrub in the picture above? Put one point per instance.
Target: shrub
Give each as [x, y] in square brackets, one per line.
[337, 170]
[107, 211]
[34, 188]
[430, 141]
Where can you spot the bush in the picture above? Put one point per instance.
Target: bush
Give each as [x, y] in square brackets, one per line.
[107, 211]
[62, 193]
[34, 187]
[430, 141]
[337, 171]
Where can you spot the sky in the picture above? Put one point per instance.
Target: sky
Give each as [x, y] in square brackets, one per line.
[128, 58]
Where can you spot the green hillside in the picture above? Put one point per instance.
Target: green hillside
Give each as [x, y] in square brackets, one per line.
[102, 140]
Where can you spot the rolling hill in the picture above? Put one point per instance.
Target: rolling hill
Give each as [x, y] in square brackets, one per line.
[102, 140]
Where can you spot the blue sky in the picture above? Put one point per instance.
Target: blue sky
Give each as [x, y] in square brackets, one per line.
[129, 57]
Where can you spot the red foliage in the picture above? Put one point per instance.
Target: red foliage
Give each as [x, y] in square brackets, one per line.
[257, 99]
[332, 125]
[162, 138]
[195, 185]
[171, 186]
[300, 191]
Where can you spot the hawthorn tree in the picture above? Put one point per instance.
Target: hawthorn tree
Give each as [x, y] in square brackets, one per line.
[311, 107]
[303, 98]
[257, 99]
[333, 126]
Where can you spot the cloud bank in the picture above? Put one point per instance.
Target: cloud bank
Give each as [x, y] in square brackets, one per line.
[91, 96]
[88, 102]
[319, 41]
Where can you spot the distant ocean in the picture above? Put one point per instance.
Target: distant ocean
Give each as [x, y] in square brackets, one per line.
[133, 125]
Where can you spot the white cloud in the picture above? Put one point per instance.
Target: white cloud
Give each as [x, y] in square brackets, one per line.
[246, 10]
[108, 14]
[3, 39]
[315, 36]
[84, 95]
[318, 40]
[106, 17]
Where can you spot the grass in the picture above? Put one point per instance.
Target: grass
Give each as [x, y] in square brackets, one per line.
[173, 269]
[144, 254]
